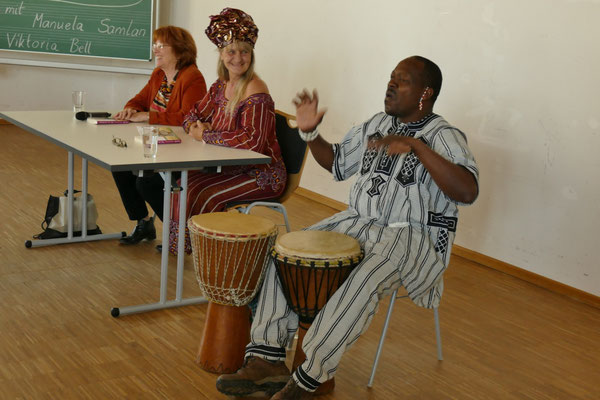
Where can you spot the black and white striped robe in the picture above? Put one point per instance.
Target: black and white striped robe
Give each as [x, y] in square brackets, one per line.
[406, 226]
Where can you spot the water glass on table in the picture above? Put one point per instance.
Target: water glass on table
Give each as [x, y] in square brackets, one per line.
[78, 100]
[150, 141]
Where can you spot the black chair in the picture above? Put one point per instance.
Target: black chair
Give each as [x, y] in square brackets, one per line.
[294, 153]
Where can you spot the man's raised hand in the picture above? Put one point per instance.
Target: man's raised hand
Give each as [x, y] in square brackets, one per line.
[307, 114]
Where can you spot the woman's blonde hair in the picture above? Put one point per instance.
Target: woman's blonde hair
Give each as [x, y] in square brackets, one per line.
[242, 84]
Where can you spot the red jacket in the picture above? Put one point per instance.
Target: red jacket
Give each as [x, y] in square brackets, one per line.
[189, 88]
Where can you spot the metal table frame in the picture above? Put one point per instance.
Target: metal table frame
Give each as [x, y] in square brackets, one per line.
[76, 143]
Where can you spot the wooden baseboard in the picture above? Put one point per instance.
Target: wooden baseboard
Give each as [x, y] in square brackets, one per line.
[484, 260]
[527, 276]
[319, 198]
[4, 122]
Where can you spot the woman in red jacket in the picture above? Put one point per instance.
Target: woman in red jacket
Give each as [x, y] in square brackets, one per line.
[175, 86]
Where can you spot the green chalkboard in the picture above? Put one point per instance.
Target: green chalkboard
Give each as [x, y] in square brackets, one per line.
[96, 28]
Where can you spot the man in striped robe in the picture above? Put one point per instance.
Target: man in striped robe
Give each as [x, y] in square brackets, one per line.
[413, 168]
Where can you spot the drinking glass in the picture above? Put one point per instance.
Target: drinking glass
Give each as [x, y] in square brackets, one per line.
[78, 100]
[150, 141]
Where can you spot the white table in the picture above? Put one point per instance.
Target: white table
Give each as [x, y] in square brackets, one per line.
[94, 143]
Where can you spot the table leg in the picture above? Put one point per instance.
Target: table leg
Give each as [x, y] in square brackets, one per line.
[164, 267]
[181, 237]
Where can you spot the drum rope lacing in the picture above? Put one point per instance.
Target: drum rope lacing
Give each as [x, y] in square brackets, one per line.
[230, 268]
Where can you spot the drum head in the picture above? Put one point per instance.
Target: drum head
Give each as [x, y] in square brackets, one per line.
[230, 223]
[317, 245]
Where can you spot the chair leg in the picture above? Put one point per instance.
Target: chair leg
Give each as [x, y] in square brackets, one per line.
[273, 206]
[285, 218]
[381, 340]
[438, 335]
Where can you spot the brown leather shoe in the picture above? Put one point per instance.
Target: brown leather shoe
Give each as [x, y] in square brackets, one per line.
[257, 377]
[292, 391]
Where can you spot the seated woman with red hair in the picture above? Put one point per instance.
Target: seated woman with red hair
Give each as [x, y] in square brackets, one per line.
[175, 86]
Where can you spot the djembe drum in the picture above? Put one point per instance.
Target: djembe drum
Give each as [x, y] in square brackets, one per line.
[230, 252]
[311, 265]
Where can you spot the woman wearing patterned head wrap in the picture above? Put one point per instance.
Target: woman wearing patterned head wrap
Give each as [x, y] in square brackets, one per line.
[237, 112]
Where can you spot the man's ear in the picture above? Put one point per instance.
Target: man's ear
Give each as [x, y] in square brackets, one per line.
[427, 93]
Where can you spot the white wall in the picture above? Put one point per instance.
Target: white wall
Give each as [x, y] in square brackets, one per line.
[39, 88]
[520, 79]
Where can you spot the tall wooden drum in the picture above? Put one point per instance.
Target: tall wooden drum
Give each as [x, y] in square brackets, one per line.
[311, 265]
[230, 252]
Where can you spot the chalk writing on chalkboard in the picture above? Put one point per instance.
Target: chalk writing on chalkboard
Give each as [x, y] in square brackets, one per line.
[100, 28]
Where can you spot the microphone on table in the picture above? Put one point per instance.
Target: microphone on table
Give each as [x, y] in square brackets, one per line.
[83, 115]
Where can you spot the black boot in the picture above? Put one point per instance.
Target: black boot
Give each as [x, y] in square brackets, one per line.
[143, 230]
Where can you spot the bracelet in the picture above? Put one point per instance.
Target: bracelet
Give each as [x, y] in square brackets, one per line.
[308, 136]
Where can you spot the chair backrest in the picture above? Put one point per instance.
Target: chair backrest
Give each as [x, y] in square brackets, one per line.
[293, 150]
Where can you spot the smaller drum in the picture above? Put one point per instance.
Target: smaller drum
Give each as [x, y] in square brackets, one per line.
[311, 266]
[230, 252]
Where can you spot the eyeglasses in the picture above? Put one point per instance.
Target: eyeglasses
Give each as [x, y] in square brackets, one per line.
[119, 142]
[159, 46]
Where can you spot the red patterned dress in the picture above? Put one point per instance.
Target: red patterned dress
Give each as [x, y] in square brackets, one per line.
[252, 126]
